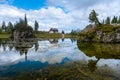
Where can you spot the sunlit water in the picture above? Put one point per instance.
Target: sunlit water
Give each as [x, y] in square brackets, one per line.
[49, 52]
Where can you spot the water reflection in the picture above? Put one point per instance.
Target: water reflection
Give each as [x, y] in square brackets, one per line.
[53, 41]
[107, 57]
[3, 44]
[73, 40]
[62, 59]
[44, 50]
[23, 45]
[92, 65]
[100, 50]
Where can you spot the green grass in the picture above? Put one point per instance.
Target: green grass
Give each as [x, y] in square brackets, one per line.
[47, 35]
[51, 35]
[107, 28]
[4, 35]
[92, 36]
[40, 35]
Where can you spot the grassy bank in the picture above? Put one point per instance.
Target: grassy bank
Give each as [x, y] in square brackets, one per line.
[103, 33]
[40, 35]
[47, 35]
[51, 35]
[4, 35]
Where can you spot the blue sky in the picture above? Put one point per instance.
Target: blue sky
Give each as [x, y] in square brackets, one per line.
[29, 4]
[62, 14]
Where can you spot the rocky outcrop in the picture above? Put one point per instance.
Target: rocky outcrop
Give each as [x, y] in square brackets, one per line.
[19, 34]
[104, 33]
[108, 37]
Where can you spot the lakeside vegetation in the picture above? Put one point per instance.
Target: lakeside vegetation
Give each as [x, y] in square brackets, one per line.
[4, 35]
[100, 50]
[21, 29]
[40, 35]
[107, 31]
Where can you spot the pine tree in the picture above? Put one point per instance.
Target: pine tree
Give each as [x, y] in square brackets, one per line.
[25, 21]
[20, 25]
[107, 20]
[36, 26]
[93, 17]
[4, 26]
[10, 27]
[114, 20]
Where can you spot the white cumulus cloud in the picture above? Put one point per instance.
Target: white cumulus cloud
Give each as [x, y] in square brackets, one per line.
[64, 15]
[47, 17]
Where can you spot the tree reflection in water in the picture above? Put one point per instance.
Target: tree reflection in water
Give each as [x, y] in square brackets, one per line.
[70, 69]
[100, 50]
[53, 41]
[21, 45]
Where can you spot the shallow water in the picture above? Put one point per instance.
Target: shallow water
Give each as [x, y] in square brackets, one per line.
[58, 59]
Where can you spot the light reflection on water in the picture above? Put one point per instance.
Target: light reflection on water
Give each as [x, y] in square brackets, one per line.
[43, 53]
[46, 52]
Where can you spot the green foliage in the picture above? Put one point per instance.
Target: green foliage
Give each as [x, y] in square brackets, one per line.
[22, 26]
[0, 30]
[36, 26]
[93, 17]
[100, 50]
[86, 36]
[9, 27]
[114, 20]
[42, 34]
[93, 36]
[107, 20]
[47, 35]
[3, 26]
[4, 35]
[23, 29]
[107, 28]
[74, 33]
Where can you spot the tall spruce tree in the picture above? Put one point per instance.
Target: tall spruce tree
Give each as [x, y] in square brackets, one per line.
[36, 26]
[25, 21]
[107, 20]
[3, 26]
[114, 20]
[10, 27]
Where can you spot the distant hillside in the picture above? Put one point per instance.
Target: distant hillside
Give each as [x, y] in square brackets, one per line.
[106, 33]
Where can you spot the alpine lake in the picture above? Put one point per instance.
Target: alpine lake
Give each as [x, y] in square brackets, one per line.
[58, 59]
